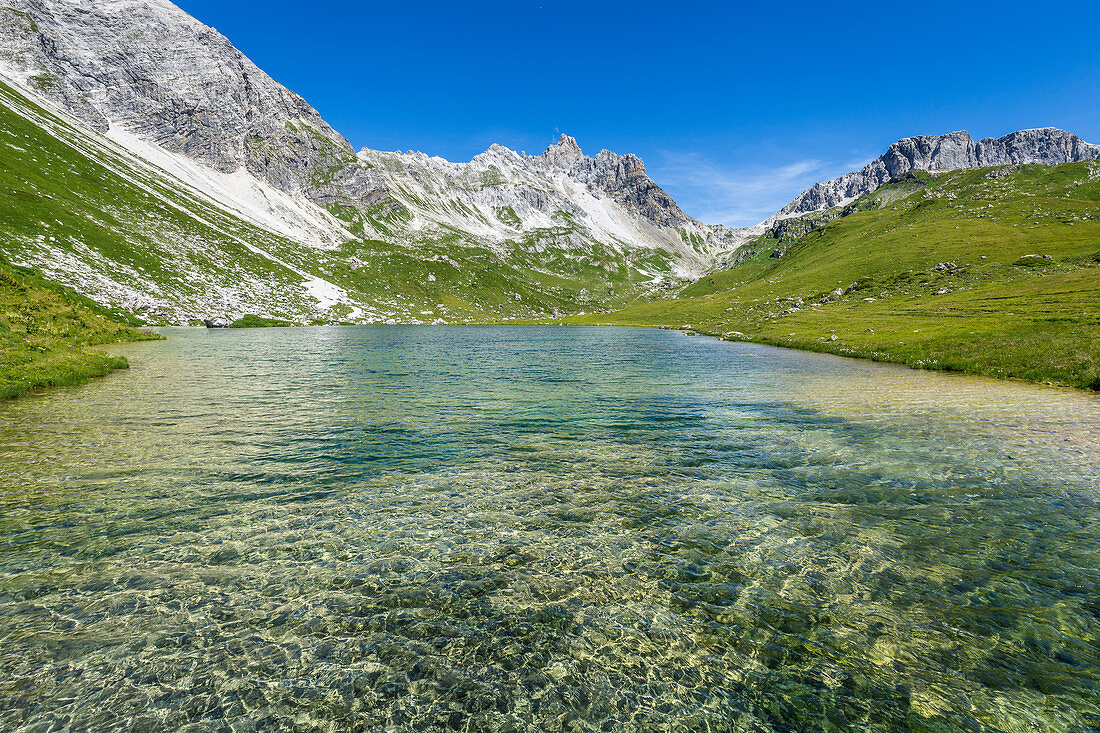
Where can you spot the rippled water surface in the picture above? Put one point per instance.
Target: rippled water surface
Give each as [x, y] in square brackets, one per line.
[511, 529]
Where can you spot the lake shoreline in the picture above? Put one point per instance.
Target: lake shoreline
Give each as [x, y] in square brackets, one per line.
[47, 333]
[877, 357]
[833, 348]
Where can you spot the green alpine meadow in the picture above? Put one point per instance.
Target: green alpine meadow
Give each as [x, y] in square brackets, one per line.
[774, 408]
[993, 271]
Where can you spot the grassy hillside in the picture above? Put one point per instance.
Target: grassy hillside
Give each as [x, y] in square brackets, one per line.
[993, 271]
[45, 331]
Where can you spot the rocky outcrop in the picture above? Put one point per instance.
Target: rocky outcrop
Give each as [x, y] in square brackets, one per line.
[147, 66]
[1046, 146]
[587, 203]
[623, 177]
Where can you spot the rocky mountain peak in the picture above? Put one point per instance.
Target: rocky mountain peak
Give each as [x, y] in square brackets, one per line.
[565, 153]
[151, 69]
[497, 154]
[567, 142]
[952, 151]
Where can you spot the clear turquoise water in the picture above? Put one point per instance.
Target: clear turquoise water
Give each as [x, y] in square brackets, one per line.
[418, 528]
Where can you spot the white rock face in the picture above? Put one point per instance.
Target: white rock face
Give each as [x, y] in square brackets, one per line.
[1046, 146]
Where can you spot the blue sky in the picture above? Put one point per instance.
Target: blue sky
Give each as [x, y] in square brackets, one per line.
[735, 108]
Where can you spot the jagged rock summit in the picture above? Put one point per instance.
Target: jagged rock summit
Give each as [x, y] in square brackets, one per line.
[1045, 146]
[564, 153]
[621, 176]
[511, 200]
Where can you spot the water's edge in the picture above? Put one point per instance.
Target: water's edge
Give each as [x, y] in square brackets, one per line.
[823, 351]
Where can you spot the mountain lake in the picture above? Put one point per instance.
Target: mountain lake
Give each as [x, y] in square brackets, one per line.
[544, 528]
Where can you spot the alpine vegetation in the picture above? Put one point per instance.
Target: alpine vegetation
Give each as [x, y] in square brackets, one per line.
[452, 500]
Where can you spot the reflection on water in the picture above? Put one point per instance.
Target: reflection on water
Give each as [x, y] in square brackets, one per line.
[416, 528]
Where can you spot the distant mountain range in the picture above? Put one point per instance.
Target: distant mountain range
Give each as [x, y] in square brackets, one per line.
[955, 150]
[282, 218]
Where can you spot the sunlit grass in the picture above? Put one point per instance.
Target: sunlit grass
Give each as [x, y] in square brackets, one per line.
[45, 332]
[940, 279]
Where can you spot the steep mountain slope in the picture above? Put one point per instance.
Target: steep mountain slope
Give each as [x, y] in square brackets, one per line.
[151, 69]
[376, 234]
[953, 151]
[179, 241]
[988, 270]
[92, 216]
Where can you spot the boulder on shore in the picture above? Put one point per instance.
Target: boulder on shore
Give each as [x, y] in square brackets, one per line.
[216, 322]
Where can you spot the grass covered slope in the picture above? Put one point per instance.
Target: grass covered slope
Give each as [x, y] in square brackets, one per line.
[993, 271]
[45, 331]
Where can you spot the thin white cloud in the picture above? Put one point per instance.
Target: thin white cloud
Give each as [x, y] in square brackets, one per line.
[739, 196]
